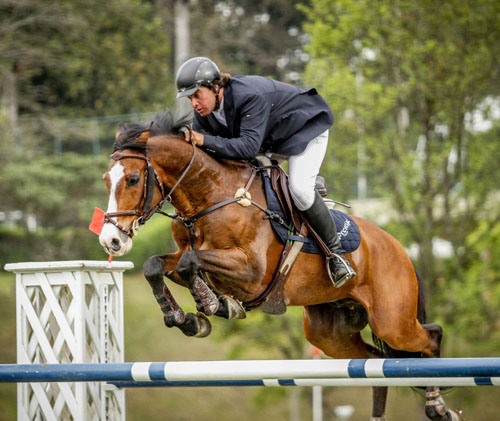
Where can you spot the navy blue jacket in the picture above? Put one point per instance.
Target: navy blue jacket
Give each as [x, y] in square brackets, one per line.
[264, 115]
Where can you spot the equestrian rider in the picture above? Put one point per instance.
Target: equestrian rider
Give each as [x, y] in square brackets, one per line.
[245, 116]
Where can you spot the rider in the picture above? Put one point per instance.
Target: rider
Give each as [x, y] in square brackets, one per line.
[245, 116]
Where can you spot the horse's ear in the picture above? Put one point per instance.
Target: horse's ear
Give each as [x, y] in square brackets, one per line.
[120, 132]
[144, 136]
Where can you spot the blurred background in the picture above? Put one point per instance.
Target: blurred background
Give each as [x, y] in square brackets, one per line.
[415, 88]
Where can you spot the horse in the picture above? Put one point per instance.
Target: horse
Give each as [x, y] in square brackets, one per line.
[228, 254]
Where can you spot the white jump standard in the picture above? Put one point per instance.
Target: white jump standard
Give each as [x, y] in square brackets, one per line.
[69, 312]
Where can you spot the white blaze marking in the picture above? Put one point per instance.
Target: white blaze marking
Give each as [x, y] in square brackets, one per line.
[109, 231]
[115, 175]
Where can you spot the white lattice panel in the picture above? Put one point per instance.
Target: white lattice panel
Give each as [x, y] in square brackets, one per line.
[69, 312]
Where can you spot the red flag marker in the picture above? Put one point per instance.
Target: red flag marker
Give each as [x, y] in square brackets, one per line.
[97, 221]
[96, 225]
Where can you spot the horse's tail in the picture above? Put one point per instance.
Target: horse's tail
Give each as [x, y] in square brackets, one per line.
[386, 350]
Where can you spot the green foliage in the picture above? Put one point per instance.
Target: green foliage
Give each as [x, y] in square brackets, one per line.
[477, 312]
[59, 191]
[85, 57]
[251, 37]
[404, 79]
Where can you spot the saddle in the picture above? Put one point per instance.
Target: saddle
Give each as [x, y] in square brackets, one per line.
[296, 233]
[279, 201]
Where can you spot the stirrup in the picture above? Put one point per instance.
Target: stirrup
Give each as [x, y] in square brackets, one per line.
[337, 283]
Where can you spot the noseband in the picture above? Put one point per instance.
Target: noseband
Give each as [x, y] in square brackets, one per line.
[150, 179]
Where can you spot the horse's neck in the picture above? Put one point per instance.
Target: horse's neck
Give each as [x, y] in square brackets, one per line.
[208, 181]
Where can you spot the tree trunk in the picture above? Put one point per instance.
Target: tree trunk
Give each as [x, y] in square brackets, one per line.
[181, 9]
[9, 105]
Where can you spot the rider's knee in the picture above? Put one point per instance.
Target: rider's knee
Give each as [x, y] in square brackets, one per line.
[302, 192]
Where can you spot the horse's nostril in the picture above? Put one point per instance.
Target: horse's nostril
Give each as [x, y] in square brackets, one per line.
[115, 244]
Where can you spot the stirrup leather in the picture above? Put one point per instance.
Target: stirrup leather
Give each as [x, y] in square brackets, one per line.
[337, 283]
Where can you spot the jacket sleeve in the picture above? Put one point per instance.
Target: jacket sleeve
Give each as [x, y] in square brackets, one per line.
[254, 115]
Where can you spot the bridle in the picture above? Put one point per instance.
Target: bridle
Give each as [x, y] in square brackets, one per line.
[151, 179]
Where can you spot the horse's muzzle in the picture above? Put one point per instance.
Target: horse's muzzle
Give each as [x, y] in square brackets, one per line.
[114, 241]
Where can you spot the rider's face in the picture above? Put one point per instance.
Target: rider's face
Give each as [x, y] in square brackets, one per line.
[203, 101]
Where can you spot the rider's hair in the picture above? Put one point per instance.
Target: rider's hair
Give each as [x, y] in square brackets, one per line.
[224, 80]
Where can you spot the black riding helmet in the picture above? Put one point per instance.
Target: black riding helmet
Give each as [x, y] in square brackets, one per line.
[196, 72]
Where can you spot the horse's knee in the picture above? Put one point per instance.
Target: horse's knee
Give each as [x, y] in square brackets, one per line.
[153, 270]
[188, 265]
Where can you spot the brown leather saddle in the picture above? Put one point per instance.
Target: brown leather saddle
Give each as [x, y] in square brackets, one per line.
[272, 301]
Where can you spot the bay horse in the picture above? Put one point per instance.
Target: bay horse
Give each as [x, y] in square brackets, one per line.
[227, 255]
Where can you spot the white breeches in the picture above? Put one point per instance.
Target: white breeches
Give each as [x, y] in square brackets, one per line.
[303, 170]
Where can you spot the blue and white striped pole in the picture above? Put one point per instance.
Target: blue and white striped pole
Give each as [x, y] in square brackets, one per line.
[461, 371]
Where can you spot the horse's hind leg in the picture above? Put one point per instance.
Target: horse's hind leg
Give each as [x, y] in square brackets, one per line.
[336, 331]
[190, 324]
[435, 406]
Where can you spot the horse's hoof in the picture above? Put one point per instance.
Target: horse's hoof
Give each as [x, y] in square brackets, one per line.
[197, 326]
[454, 415]
[231, 308]
[204, 326]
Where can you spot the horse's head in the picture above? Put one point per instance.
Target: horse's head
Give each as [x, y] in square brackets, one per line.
[135, 189]
[127, 187]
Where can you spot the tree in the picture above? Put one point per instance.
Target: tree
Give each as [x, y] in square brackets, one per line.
[404, 79]
[251, 37]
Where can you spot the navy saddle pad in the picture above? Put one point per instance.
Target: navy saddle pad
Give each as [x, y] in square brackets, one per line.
[348, 231]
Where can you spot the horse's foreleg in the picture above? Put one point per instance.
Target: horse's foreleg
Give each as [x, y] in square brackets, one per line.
[231, 269]
[153, 271]
[189, 268]
[190, 324]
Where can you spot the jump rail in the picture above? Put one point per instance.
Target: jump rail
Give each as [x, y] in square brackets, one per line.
[345, 372]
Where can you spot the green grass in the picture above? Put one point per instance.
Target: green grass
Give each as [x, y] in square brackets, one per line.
[147, 339]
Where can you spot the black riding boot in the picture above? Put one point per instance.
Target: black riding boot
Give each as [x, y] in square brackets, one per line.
[322, 222]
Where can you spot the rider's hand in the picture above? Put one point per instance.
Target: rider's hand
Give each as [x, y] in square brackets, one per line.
[198, 138]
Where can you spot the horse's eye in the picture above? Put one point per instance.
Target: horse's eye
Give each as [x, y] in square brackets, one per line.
[133, 180]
